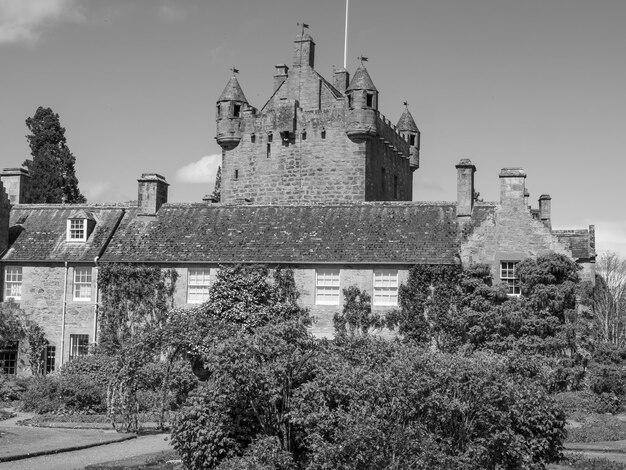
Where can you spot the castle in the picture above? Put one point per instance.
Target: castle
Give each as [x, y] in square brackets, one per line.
[317, 180]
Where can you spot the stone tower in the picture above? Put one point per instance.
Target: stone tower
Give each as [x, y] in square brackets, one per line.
[313, 141]
[408, 129]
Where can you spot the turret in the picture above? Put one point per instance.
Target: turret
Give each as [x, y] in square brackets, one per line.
[408, 129]
[362, 106]
[230, 107]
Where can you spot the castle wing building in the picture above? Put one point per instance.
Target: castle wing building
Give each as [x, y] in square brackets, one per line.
[316, 179]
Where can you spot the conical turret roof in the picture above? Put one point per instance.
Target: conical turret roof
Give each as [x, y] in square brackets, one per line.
[361, 80]
[406, 122]
[233, 91]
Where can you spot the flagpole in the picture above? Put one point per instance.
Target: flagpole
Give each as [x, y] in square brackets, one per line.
[345, 42]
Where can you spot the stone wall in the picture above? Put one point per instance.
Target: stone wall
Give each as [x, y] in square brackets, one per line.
[304, 276]
[509, 234]
[322, 165]
[42, 301]
[384, 162]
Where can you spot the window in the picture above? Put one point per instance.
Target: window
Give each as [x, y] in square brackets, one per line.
[82, 283]
[327, 287]
[304, 135]
[198, 286]
[253, 137]
[219, 110]
[411, 139]
[8, 358]
[79, 345]
[350, 100]
[386, 287]
[369, 100]
[270, 137]
[236, 174]
[323, 133]
[269, 150]
[395, 187]
[508, 276]
[77, 230]
[236, 110]
[51, 353]
[13, 282]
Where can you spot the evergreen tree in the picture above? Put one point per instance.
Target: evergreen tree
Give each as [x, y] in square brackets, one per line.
[217, 193]
[53, 178]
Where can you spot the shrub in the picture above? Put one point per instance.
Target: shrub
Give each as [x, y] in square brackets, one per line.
[42, 395]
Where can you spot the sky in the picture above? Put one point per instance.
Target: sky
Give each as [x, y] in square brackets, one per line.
[537, 84]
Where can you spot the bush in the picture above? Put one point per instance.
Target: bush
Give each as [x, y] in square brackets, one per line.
[582, 463]
[42, 395]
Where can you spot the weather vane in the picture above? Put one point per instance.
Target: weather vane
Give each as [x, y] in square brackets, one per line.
[406, 104]
[362, 58]
[304, 25]
[234, 70]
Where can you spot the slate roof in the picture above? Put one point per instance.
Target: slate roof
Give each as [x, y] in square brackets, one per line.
[366, 233]
[579, 241]
[406, 122]
[232, 91]
[361, 80]
[40, 234]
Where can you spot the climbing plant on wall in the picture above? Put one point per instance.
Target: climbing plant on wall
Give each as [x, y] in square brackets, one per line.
[136, 300]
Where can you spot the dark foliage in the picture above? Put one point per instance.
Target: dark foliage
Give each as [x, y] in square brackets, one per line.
[53, 176]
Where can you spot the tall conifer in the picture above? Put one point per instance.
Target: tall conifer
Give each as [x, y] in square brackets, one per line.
[53, 178]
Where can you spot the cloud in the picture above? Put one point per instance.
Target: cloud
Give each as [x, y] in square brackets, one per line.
[95, 190]
[24, 21]
[171, 13]
[201, 171]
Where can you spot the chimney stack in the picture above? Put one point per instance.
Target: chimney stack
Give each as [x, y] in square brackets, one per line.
[512, 187]
[545, 209]
[152, 193]
[465, 187]
[341, 79]
[304, 51]
[282, 72]
[5, 212]
[16, 183]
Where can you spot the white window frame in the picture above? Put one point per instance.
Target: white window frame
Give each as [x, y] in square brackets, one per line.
[385, 288]
[198, 285]
[13, 282]
[509, 277]
[79, 345]
[82, 284]
[327, 286]
[76, 230]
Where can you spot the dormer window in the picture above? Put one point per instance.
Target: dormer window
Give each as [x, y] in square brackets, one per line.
[79, 226]
[76, 230]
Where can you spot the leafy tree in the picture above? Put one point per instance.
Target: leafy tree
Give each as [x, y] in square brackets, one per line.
[217, 191]
[610, 300]
[11, 328]
[53, 178]
[37, 343]
[356, 317]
